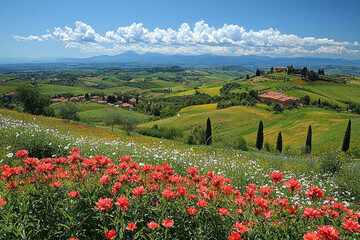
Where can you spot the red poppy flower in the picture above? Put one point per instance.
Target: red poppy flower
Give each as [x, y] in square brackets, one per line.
[328, 232]
[276, 176]
[311, 213]
[147, 168]
[73, 239]
[56, 184]
[22, 154]
[181, 190]
[73, 194]
[156, 175]
[122, 202]
[223, 211]
[152, 225]
[192, 170]
[240, 227]
[235, 236]
[293, 184]
[312, 236]
[2, 202]
[266, 191]
[351, 225]
[315, 193]
[202, 203]
[104, 179]
[191, 211]
[131, 226]
[138, 191]
[125, 158]
[104, 204]
[167, 223]
[110, 234]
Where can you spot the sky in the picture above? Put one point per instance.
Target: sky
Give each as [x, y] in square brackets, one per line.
[85, 28]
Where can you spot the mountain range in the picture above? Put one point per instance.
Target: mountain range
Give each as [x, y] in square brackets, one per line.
[133, 59]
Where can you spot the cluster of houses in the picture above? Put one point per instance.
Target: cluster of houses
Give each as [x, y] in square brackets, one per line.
[273, 97]
[99, 100]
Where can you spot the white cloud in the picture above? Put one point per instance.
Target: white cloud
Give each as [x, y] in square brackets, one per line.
[28, 38]
[199, 39]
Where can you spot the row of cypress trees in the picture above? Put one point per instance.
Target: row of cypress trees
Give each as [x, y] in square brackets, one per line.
[308, 144]
[279, 144]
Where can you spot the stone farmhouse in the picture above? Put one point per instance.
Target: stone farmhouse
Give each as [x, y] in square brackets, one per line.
[273, 97]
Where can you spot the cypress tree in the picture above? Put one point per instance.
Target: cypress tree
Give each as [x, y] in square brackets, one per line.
[208, 132]
[308, 140]
[260, 136]
[279, 143]
[346, 142]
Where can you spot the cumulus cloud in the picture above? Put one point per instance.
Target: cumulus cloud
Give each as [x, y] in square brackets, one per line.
[201, 38]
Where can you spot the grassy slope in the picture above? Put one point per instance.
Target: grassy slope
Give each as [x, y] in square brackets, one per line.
[328, 126]
[93, 112]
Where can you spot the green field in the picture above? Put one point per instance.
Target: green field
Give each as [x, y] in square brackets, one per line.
[328, 126]
[93, 112]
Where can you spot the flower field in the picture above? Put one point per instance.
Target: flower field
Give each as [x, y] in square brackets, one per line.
[112, 186]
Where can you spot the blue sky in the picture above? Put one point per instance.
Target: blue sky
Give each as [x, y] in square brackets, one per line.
[83, 28]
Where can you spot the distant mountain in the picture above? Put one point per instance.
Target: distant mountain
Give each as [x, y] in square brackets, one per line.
[133, 59]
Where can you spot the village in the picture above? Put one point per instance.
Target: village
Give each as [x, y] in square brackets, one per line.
[110, 100]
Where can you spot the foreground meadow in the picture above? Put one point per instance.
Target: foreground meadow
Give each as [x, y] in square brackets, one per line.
[113, 186]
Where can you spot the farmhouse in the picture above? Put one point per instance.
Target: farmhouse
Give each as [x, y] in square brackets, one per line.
[280, 69]
[126, 106]
[56, 100]
[273, 97]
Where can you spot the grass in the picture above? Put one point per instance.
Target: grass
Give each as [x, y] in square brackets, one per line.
[313, 96]
[328, 126]
[339, 92]
[213, 91]
[93, 112]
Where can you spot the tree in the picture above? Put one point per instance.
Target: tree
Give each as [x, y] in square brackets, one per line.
[319, 102]
[87, 97]
[279, 142]
[32, 100]
[305, 100]
[258, 73]
[128, 122]
[277, 107]
[304, 71]
[68, 110]
[346, 142]
[272, 69]
[260, 136]
[308, 140]
[247, 76]
[208, 132]
[290, 69]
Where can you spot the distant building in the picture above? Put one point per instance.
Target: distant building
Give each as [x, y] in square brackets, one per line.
[133, 100]
[102, 102]
[280, 69]
[126, 106]
[56, 100]
[74, 99]
[273, 97]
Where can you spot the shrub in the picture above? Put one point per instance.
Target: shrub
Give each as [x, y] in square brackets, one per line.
[171, 133]
[241, 144]
[277, 107]
[332, 162]
[267, 147]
